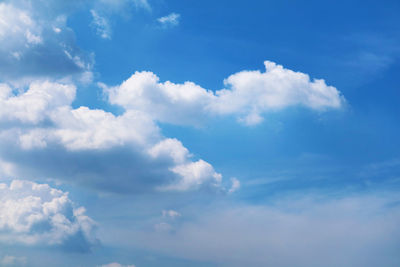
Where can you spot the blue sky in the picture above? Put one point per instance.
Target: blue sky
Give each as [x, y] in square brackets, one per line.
[199, 133]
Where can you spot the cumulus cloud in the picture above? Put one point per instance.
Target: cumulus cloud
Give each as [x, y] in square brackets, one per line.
[35, 42]
[249, 95]
[309, 231]
[32, 213]
[42, 129]
[37, 103]
[170, 20]
[39, 127]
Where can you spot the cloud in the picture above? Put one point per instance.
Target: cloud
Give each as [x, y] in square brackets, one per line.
[42, 130]
[353, 231]
[36, 42]
[101, 25]
[170, 214]
[116, 6]
[235, 185]
[32, 214]
[9, 260]
[250, 94]
[43, 136]
[104, 10]
[115, 264]
[170, 20]
[36, 104]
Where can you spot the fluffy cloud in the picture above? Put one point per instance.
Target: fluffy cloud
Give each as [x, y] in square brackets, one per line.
[40, 127]
[32, 213]
[36, 43]
[42, 130]
[250, 95]
[36, 104]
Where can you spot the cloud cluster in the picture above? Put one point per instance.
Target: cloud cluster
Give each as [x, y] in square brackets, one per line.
[249, 94]
[42, 129]
[32, 213]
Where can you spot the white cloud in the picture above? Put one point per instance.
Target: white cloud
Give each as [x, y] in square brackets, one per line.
[32, 213]
[193, 175]
[115, 264]
[41, 120]
[170, 214]
[250, 95]
[170, 20]
[37, 103]
[235, 185]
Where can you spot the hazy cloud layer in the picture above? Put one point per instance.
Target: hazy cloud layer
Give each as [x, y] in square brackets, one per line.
[35, 43]
[311, 231]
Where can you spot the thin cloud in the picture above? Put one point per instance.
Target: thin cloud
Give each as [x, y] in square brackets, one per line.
[170, 20]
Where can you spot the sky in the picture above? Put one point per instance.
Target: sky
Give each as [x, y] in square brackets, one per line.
[139, 133]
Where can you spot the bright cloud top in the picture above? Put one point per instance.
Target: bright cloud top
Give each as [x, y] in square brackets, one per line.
[250, 94]
[32, 213]
[41, 119]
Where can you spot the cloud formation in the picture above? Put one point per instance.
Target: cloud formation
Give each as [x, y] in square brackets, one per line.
[32, 214]
[43, 130]
[249, 94]
[308, 231]
[170, 20]
[35, 43]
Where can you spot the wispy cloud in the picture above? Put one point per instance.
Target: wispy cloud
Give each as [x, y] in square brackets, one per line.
[171, 20]
[101, 24]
